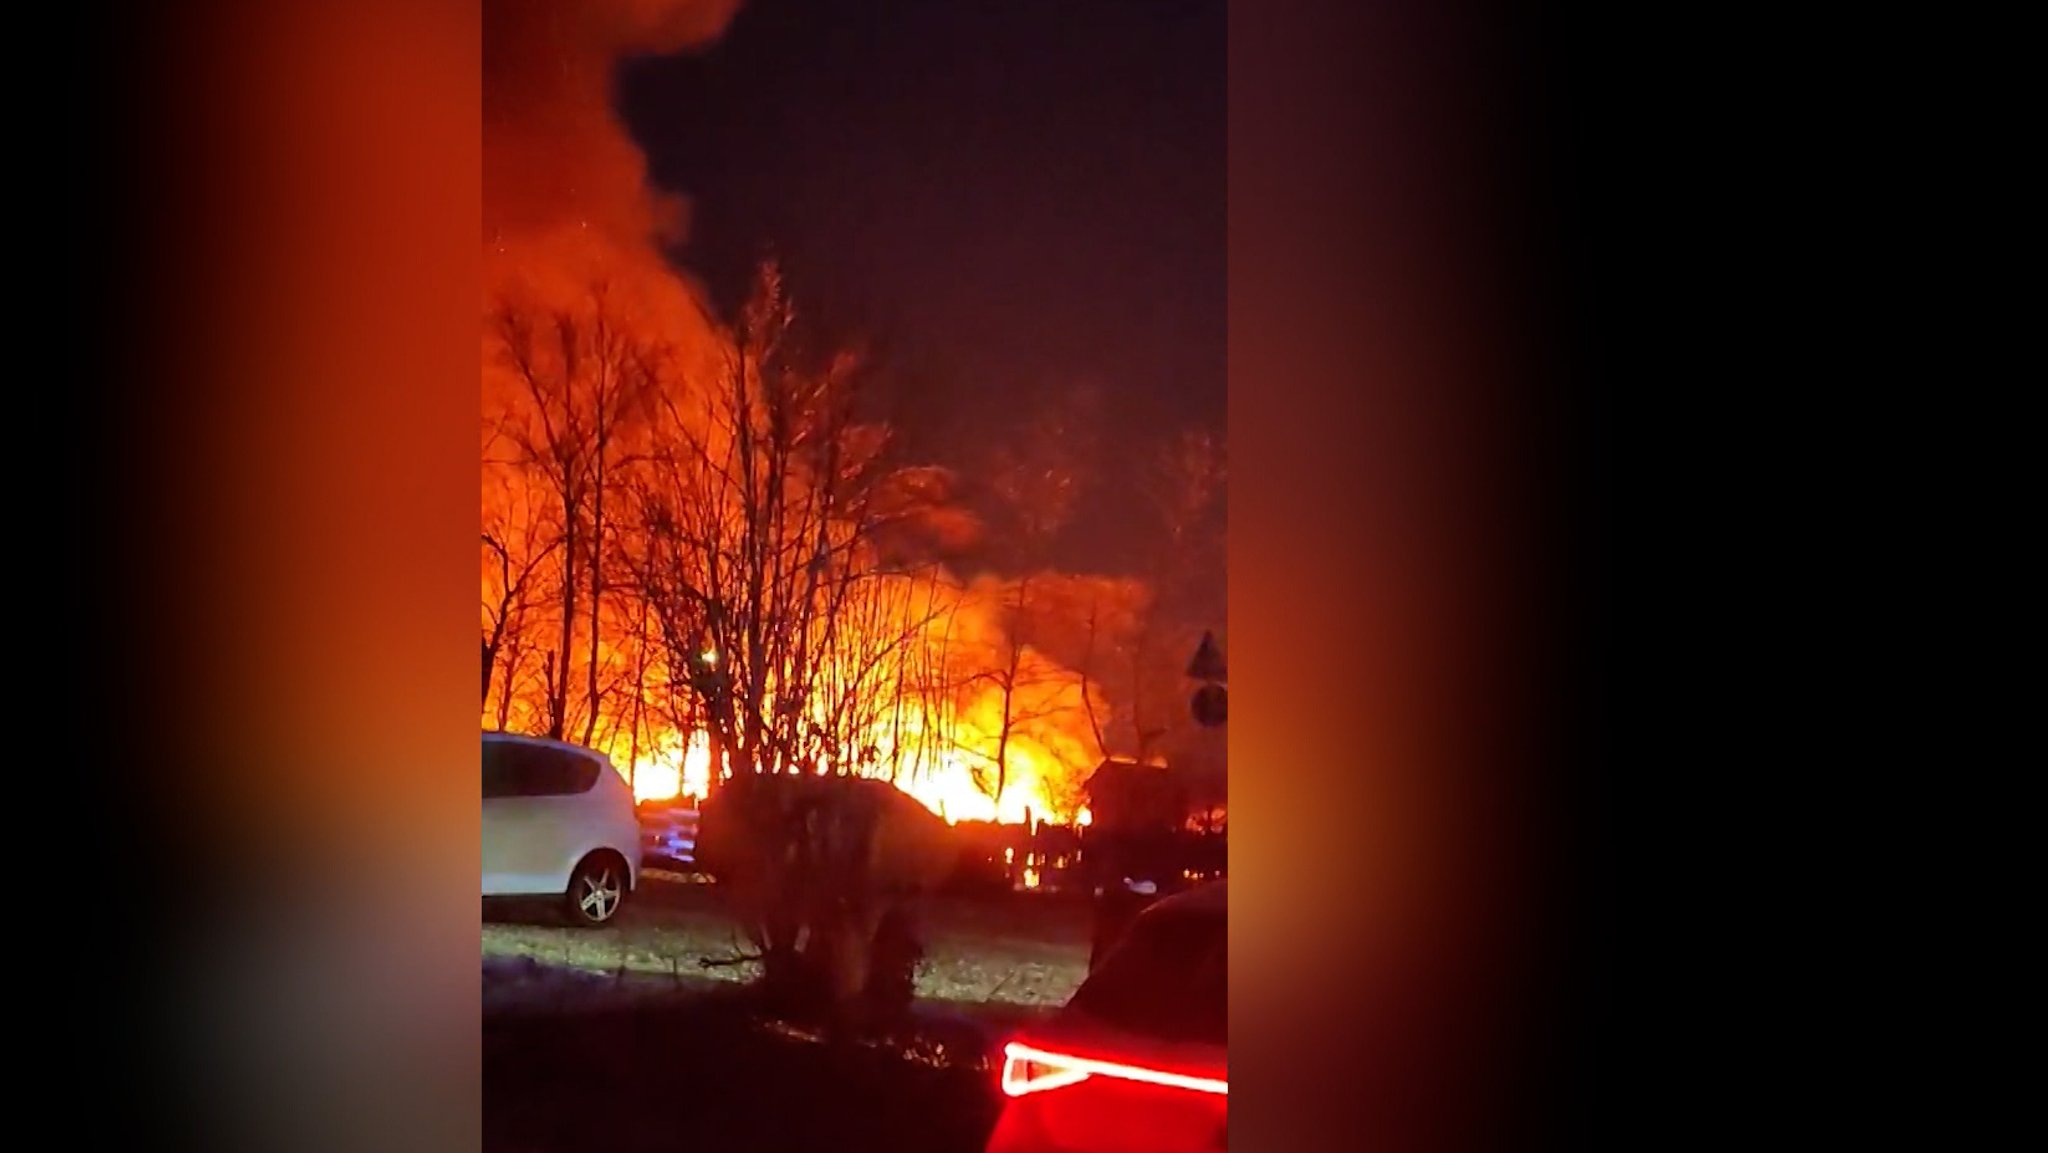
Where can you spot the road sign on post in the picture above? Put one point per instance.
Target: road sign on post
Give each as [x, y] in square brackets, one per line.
[1210, 701]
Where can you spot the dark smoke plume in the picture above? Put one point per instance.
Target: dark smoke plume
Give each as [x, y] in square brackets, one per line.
[556, 155]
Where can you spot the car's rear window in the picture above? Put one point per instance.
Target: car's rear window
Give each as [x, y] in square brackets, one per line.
[514, 769]
[1167, 979]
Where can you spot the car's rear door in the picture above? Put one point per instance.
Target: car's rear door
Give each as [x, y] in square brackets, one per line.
[542, 816]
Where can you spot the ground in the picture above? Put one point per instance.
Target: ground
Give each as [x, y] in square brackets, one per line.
[1027, 950]
[619, 1040]
[705, 1073]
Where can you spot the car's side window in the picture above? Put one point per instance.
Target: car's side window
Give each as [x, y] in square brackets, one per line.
[519, 770]
[566, 774]
[499, 778]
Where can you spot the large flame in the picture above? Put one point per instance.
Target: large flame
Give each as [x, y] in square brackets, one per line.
[940, 747]
[950, 789]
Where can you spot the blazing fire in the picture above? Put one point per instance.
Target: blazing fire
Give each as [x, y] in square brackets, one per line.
[938, 734]
[950, 789]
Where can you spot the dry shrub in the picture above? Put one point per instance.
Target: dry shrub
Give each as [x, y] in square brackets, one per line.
[824, 874]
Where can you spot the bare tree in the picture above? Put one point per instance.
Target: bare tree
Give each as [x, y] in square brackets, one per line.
[762, 511]
[642, 655]
[1184, 486]
[519, 543]
[583, 374]
[513, 584]
[1038, 480]
[934, 685]
[1096, 619]
[752, 512]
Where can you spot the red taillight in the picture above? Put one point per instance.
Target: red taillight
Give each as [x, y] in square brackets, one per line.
[1027, 1069]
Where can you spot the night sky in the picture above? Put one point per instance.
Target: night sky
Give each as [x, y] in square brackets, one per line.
[1004, 199]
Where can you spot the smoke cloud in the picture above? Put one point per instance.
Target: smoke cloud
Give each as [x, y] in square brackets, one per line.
[567, 205]
[555, 154]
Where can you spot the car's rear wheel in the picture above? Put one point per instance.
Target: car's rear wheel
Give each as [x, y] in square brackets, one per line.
[597, 890]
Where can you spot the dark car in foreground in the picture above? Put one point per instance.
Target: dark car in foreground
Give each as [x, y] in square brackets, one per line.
[1137, 1061]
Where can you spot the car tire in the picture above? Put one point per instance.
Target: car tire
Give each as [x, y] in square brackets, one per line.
[597, 891]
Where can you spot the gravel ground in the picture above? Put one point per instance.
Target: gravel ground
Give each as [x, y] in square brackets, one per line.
[1024, 951]
[618, 1040]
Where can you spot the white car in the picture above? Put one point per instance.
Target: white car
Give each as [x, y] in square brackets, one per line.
[1138, 1061]
[558, 821]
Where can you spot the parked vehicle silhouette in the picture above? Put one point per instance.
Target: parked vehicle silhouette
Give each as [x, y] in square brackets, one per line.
[558, 821]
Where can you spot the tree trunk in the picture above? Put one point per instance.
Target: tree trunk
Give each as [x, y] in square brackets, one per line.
[596, 593]
[639, 705]
[515, 655]
[894, 955]
[490, 667]
[1003, 750]
[558, 665]
[555, 701]
[714, 744]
